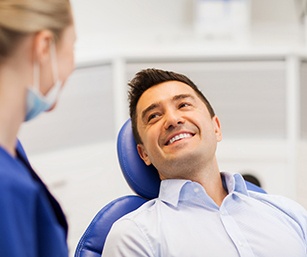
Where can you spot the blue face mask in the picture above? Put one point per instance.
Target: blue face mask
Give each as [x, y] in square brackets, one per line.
[36, 102]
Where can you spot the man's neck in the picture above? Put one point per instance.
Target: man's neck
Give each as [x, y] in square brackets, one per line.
[213, 184]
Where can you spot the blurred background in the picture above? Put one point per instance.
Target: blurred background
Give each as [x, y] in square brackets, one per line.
[248, 57]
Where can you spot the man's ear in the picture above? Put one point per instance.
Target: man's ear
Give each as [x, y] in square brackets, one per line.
[143, 154]
[41, 45]
[217, 128]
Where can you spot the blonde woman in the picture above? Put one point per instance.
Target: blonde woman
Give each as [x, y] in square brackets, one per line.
[36, 57]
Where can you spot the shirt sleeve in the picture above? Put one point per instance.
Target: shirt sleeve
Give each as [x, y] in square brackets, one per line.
[127, 239]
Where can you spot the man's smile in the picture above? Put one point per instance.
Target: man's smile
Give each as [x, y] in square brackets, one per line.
[179, 137]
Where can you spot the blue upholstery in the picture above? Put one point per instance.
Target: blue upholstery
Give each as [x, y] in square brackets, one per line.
[142, 179]
[253, 187]
[93, 239]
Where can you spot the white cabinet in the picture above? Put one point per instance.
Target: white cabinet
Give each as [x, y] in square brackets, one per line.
[302, 147]
[303, 99]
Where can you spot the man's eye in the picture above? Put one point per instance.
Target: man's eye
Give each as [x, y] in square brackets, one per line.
[182, 105]
[152, 116]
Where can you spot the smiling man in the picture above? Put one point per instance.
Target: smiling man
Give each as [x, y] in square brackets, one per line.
[200, 211]
[179, 135]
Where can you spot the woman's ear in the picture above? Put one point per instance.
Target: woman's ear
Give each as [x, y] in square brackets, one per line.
[41, 45]
[143, 154]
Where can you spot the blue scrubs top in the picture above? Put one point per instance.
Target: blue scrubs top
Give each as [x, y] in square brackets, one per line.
[32, 223]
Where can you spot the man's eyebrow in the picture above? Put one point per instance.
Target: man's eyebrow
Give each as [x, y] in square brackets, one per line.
[183, 96]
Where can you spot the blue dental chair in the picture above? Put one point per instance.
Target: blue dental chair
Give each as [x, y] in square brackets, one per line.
[142, 179]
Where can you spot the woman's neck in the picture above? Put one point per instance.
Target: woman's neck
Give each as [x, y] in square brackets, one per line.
[12, 108]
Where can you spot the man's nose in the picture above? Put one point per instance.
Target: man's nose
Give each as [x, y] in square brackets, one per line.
[173, 118]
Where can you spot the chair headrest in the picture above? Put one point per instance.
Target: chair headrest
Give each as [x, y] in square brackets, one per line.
[142, 179]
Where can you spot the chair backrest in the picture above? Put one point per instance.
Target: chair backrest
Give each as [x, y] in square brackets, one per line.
[93, 239]
[142, 179]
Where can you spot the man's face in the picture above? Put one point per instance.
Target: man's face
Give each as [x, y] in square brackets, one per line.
[179, 136]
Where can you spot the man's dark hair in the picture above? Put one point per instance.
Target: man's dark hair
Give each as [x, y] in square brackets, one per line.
[147, 78]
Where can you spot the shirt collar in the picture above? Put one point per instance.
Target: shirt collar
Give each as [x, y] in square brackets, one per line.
[170, 189]
[234, 183]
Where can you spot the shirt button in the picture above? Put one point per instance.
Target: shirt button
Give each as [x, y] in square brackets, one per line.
[223, 212]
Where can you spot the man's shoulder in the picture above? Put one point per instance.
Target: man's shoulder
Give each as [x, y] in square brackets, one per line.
[284, 204]
[144, 210]
[142, 216]
[276, 200]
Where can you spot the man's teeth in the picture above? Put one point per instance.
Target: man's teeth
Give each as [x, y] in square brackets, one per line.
[178, 137]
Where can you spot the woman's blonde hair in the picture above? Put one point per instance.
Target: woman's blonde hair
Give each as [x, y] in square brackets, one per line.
[19, 18]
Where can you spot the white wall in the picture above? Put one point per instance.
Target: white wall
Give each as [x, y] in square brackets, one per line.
[104, 18]
[123, 22]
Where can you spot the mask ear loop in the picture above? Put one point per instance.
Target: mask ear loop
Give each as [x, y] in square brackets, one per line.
[54, 64]
[36, 74]
[54, 91]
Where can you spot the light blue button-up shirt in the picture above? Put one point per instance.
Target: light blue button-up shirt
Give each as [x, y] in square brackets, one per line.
[185, 222]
